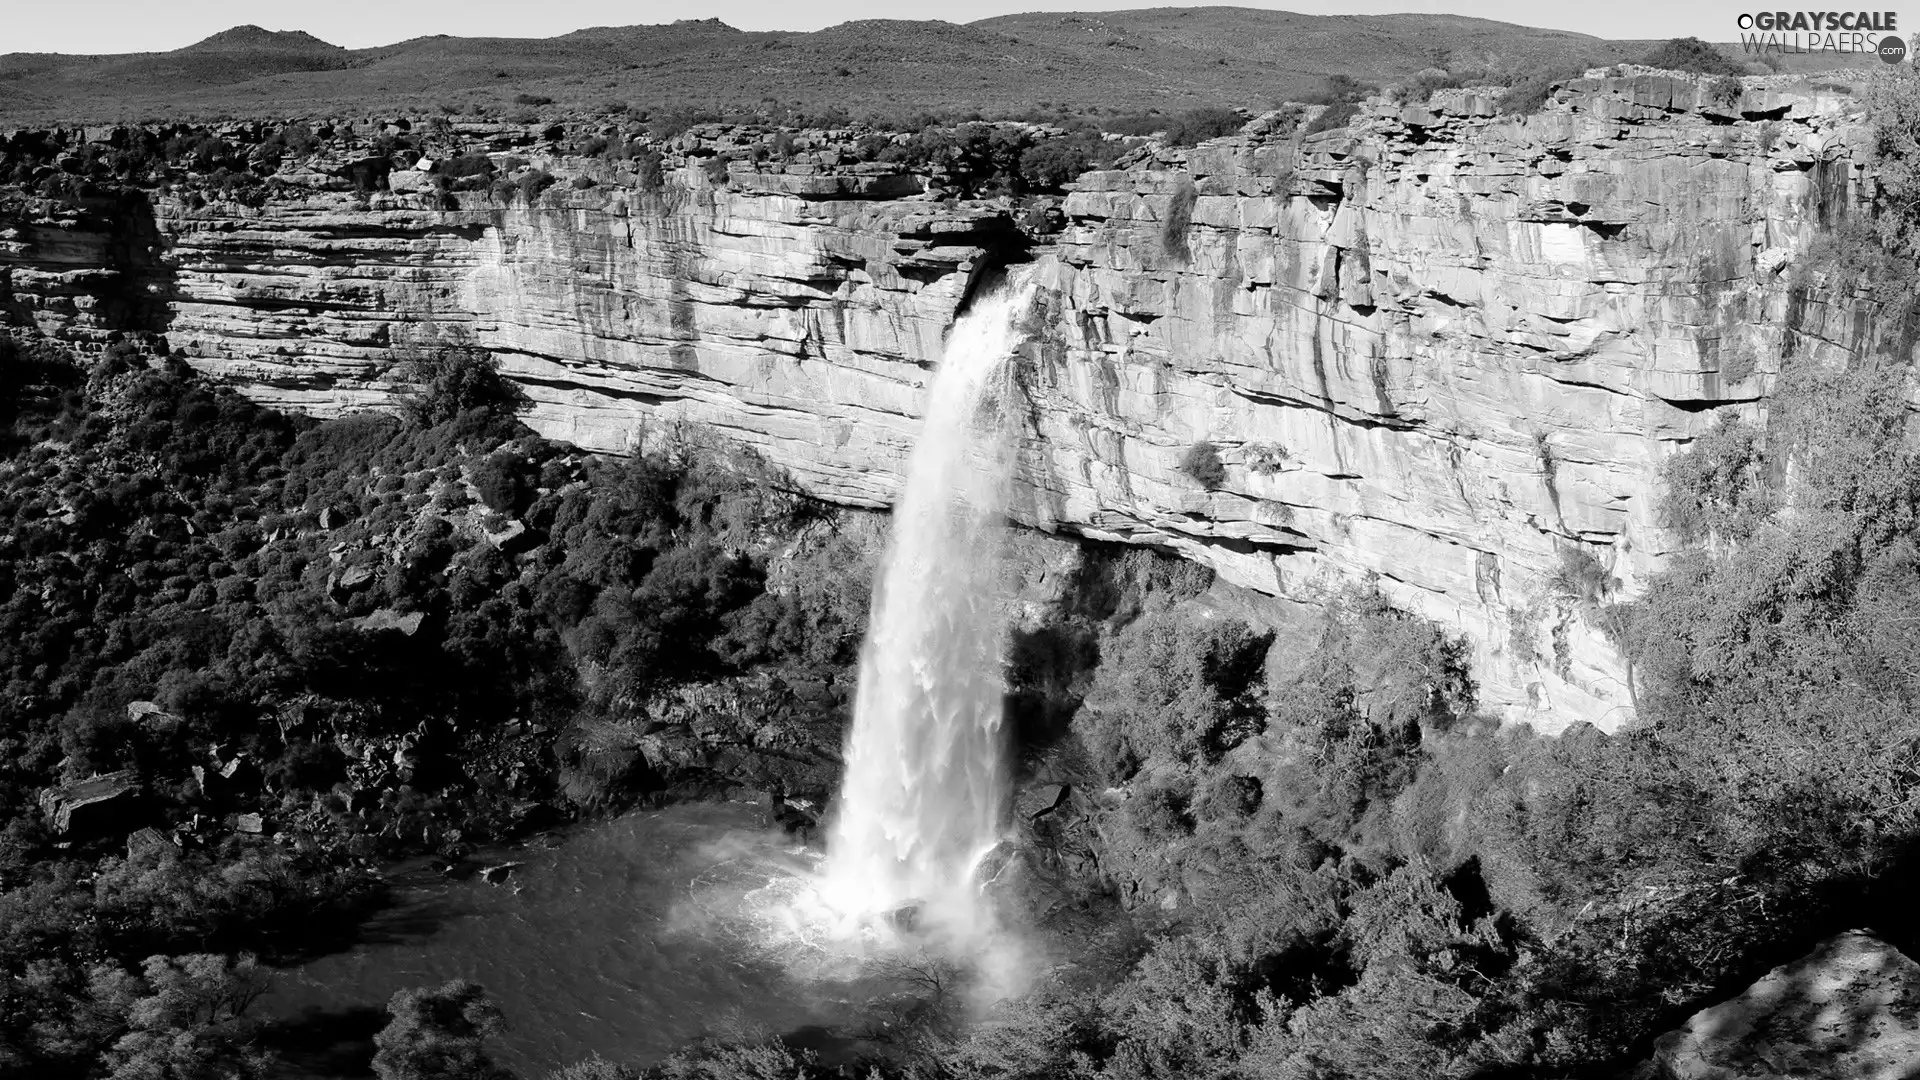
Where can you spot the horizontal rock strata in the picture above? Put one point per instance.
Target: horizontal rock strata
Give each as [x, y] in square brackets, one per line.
[1443, 352]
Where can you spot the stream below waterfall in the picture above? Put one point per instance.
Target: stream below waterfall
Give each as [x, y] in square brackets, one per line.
[628, 938]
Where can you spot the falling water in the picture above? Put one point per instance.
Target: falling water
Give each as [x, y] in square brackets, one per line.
[926, 777]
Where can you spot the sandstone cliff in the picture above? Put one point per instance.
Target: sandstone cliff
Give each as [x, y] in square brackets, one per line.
[1443, 350]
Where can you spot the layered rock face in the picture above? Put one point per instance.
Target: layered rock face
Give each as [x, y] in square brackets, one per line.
[1442, 352]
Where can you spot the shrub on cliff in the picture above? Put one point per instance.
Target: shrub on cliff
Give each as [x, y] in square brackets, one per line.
[448, 378]
[531, 183]
[290, 140]
[1046, 166]
[1690, 54]
[975, 158]
[464, 165]
[1201, 462]
[1198, 125]
[1893, 108]
[1420, 89]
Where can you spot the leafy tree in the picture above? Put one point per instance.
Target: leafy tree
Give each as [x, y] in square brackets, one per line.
[439, 1033]
[1169, 691]
[186, 1020]
[1893, 107]
[1050, 164]
[447, 379]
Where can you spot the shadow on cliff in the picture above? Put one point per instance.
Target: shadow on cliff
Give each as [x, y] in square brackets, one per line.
[138, 296]
[1052, 657]
[131, 284]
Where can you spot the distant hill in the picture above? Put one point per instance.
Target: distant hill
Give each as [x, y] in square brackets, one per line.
[1165, 58]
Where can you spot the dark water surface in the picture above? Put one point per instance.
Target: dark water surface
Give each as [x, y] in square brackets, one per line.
[629, 938]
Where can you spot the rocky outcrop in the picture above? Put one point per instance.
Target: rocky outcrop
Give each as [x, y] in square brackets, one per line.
[1444, 352]
[1849, 1010]
[91, 806]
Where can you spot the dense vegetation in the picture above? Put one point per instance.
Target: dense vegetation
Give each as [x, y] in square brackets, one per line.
[309, 647]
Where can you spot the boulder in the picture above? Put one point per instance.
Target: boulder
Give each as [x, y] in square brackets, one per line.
[350, 580]
[511, 538]
[389, 619]
[1039, 800]
[150, 843]
[146, 712]
[92, 805]
[1849, 1010]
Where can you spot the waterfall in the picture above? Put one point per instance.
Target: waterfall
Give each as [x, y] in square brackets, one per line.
[926, 773]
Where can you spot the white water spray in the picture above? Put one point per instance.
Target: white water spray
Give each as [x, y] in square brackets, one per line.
[926, 778]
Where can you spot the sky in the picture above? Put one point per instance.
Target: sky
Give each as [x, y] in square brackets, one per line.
[104, 26]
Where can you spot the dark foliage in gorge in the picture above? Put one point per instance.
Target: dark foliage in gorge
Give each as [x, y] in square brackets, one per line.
[302, 648]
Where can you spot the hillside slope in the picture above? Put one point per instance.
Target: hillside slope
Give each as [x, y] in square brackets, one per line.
[1129, 60]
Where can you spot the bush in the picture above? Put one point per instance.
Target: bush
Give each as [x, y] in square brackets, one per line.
[1420, 89]
[1159, 812]
[1893, 108]
[1201, 463]
[1169, 692]
[464, 165]
[532, 99]
[439, 1034]
[449, 378]
[1717, 488]
[1230, 798]
[1726, 90]
[1048, 165]
[1198, 125]
[1690, 54]
[647, 171]
[531, 183]
[1266, 459]
[1579, 577]
[506, 482]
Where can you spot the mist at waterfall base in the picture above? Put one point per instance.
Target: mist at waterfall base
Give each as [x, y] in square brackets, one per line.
[634, 937]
